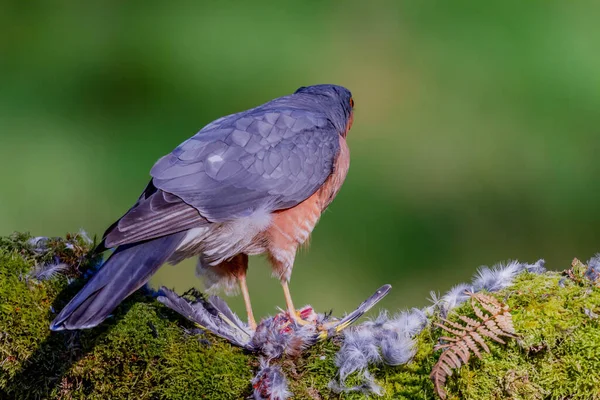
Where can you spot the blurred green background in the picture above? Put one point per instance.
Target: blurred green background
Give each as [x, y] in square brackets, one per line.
[475, 138]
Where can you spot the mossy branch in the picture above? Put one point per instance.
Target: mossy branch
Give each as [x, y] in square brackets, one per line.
[148, 352]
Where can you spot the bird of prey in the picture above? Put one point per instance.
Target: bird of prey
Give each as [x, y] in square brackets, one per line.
[249, 183]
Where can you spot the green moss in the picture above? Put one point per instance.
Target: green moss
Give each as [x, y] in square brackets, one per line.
[556, 356]
[558, 353]
[144, 351]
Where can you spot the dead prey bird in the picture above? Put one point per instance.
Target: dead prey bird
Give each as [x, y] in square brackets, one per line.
[274, 336]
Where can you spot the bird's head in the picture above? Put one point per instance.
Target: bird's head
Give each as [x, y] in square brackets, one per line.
[336, 100]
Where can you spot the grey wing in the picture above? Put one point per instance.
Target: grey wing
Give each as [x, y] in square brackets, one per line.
[156, 213]
[263, 158]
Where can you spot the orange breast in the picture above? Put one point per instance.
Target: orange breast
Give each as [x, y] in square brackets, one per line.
[333, 184]
[292, 227]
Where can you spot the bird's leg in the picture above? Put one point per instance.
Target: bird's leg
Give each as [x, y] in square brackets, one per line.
[281, 253]
[236, 268]
[288, 299]
[246, 295]
[290, 305]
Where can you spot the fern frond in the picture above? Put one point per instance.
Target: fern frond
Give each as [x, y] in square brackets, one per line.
[493, 322]
[479, 339]
[470, 343]
[458, 331]
[469, 321]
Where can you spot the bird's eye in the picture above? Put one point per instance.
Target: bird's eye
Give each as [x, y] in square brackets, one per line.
[351, 102]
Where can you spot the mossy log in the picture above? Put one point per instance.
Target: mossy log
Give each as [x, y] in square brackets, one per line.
[146, 351]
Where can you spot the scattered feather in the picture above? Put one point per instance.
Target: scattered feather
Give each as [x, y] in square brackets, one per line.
[48, 271]
[39, 244]
[435, 298]
[378, 322]
[593, 269]
[537, 268]
[367, 387]
[454, 297]
[590, 313]
[383, 340]
[86, 238]
[360, 349]
[393, 337]
[407, 323]
[397, 349]
[501, 276]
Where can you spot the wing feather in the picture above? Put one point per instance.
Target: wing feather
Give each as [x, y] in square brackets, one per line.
[156, 213]
[269, 157]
